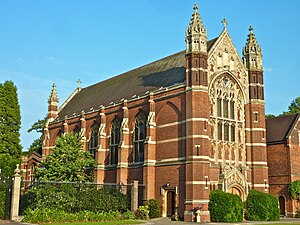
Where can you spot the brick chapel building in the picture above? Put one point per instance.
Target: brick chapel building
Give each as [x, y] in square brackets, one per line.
[283, 146]
[182, 126]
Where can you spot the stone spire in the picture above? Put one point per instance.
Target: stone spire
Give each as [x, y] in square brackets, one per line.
[252, 54]
[196, 37]
[53, 103]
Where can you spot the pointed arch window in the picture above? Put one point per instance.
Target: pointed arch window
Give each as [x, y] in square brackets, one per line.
[114, 142]
[93, 143]
[76, 130]
[139, 137]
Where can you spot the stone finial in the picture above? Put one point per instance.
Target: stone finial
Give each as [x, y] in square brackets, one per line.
[225, 23]
[195, 7]
[53, 96]
[252, 53]
[196, 37]
[53, 104]
[78, 84]
[17, 170]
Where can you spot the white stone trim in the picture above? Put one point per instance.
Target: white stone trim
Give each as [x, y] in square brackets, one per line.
[256, 144]
[256, 163]
[171, 159]
[196, 69]
[199, 157]
[255, 129]
[182, 138]
[150, 162]
[261, 185]
[182, 122]
[198, 182]
[196, 201]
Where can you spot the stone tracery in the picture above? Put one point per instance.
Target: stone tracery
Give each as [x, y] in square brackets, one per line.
[227, 120]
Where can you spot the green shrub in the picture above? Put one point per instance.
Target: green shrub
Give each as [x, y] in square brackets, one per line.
[105, 199]
[45, 215]
[225, 207]
[143, 212]
[73, 198]
[154, 208]
[262, 206]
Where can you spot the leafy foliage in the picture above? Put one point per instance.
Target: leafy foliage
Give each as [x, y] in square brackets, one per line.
[10, 147]
[38, 126]
[37, 144]
[143, 212]
[262, 206]
[268, 116]
[68, 162]
[294, 189]
[225, 207]
[45, 215]
[294, 107]
[10, 120]
[74, 197]
[154, 208]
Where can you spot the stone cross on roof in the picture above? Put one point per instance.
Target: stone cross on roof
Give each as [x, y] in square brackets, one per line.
[78, 83]
[225, 23]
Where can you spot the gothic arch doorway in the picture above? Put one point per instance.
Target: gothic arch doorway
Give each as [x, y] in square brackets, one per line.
[237, 191]
[169, 204]
[282, 205]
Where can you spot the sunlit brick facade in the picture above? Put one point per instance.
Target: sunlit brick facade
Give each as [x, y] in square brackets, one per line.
[182, 126]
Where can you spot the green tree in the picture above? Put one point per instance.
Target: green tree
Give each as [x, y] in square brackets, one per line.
[294, 107]
[68, 162]
[268, 116]
[37, 144]
[10, 120]
[10, 147]
[294, 189]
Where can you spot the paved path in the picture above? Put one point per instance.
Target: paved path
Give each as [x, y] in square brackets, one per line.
[167, 221]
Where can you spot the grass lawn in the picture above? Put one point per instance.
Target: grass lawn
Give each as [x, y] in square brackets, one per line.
[124, 222]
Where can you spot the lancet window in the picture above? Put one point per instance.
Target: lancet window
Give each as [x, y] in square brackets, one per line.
[93, 143]
[114, 142]
[139, 137]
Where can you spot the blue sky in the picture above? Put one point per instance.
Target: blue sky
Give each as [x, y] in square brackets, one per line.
[43, 42]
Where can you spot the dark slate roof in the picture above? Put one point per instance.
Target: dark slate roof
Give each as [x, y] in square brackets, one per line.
[278, 128]
[162, 73]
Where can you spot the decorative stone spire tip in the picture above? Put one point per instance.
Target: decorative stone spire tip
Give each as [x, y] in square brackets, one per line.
[195, 7]
[53, 96]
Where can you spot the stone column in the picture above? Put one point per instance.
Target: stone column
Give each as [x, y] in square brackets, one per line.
[15, 198]
[134, 195]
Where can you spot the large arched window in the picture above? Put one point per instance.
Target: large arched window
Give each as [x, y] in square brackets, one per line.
[227, 120]
[139, 137]
[93, 143]
[114, 142]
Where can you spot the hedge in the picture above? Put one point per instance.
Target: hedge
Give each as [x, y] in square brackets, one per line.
[225, 207]
[261, 207]
[72, 198]
[46, 215]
